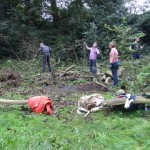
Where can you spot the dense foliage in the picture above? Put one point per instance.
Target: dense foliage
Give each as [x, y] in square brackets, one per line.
[65, 25]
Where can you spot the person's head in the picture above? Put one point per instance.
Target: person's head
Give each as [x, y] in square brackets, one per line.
[137, 39]
[94, 44]
[112, 45]
[41, 44]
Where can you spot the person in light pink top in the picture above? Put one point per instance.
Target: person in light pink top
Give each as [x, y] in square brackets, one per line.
[93, 57]
[113, 58]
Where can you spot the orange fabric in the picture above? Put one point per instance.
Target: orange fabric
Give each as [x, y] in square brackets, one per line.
[39, 103]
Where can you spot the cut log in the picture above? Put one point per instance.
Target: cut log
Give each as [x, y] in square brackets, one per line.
[107, 103]
[108, 73]
[13, 102]
[121, 101]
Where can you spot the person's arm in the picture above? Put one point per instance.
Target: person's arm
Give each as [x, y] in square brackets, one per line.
[87, 46]
[131, 48]
[50, 50]
[98, 52]
[39, 50]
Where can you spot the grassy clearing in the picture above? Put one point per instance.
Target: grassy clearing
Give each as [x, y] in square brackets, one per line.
[22, 130]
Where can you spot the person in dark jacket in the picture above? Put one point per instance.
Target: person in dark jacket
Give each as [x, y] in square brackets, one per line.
[45, 51]
[136, 47]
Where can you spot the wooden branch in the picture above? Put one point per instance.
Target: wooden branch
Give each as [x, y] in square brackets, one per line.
[107, 80]
[56, 63]
[103, 78]
[95, 80]
[121, 101]
[13, 102]
[66, 70]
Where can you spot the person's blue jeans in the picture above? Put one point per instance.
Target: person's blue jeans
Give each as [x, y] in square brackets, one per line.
[114, 69]
[92, 66]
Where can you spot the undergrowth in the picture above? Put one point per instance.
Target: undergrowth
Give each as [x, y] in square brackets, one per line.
[65, 130]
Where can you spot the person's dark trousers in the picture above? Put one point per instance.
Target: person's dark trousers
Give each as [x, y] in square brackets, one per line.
[114, 69]
[46, 60]
[136, 55]
[92, 66]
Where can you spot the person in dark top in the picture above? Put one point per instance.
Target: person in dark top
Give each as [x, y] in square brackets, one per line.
[136, 47]
[45, 51]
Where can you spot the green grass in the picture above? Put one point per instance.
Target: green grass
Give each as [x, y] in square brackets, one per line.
[22, 130]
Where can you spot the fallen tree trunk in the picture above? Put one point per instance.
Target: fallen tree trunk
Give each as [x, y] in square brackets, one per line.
[121, 101]
[13, 102]
[107, 103]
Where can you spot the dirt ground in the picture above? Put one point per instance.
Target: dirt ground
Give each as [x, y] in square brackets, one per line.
[61, 90]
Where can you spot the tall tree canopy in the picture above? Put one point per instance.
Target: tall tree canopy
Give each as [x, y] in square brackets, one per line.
[64, 25]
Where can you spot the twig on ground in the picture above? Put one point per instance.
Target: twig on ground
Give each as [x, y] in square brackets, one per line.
[56, 63]
[95, 80]
[66, 70]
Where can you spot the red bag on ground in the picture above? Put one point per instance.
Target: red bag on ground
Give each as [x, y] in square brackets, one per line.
[39, 103]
